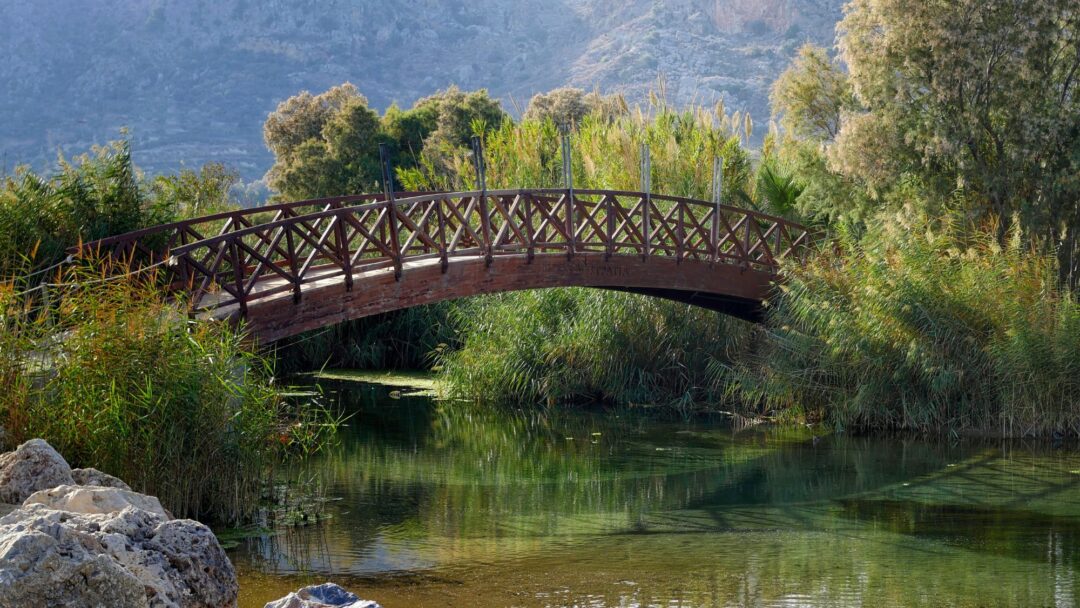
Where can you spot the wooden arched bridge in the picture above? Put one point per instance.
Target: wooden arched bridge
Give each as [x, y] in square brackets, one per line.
[298, 266]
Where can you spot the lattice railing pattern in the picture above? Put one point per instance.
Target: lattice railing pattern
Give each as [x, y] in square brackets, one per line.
[237, 258]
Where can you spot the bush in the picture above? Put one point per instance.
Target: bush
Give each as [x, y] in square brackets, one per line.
[94, 196]
[118, 380]
[912, 327]
[574, 345]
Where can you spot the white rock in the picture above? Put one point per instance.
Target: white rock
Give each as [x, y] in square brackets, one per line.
[33, 466]
[95, 500]
[117, 559]
[326, 595]
[94, 477]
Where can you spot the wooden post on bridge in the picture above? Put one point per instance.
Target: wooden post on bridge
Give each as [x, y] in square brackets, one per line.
[481, 186]
[717, 195]
[646, 187]
[391, 208]
[568, 178]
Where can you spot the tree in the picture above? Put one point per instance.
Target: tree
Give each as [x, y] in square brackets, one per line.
[301, 118]
[328, 144]
[976, 97]
[811, 96]
[460, 116]
[979, 94]
[567, 106]
[323, 145]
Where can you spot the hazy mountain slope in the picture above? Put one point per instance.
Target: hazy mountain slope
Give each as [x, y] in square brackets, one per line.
[194, 79]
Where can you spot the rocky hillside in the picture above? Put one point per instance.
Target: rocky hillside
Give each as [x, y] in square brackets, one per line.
[194, 79]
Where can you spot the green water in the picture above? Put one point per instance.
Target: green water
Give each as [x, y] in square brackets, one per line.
[445, 504]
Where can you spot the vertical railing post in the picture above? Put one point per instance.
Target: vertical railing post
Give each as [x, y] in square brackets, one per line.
[530, 235]
[294, 268]
[646, 188]
[568, 179]
[391, 208]
[680, 231]
[343, 248]
[746, 240]
[717, 196]
[481, 186]
[609, 217]
[238, 277]
[444, 261]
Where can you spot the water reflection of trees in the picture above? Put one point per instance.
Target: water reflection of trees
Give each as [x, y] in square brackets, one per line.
[450, 485]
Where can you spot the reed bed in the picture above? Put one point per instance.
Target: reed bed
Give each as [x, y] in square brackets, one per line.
[573, 345]
[577, 345]
[118, 379]
[927, 328]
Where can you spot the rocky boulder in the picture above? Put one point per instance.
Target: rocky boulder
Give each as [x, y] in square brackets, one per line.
[94, 500]
[99, 544]
[327, 595]
[94, 477]
[124, 558]
[33, 466]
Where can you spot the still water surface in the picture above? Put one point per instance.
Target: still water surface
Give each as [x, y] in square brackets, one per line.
[447, 504]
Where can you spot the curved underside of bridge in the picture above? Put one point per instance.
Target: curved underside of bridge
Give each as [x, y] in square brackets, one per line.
[724, 288]
[295, 267]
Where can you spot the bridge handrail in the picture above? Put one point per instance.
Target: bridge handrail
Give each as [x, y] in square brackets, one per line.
[332, 202]
[338, 202]
[247, 231]
[295, 250]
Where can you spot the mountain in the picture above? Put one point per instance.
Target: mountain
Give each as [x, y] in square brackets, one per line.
[193, 80]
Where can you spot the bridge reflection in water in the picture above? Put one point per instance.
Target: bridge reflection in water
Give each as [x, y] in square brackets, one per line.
[298, 266]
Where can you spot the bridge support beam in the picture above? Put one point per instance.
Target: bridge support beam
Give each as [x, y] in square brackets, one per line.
[691, 281]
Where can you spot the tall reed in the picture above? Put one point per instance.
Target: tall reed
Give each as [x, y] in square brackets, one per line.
[577, 344]
[927, 328]
[118, 379]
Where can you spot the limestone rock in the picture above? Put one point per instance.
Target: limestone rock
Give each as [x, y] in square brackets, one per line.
[94, 477]
[127, 558]
[95, 500]
[198, 561]
[33, 466]
[326, 595]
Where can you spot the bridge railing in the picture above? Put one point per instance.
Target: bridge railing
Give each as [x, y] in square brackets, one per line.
[154, 242]
[300, 244]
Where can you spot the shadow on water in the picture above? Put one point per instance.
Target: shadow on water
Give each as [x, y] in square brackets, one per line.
[617, 508]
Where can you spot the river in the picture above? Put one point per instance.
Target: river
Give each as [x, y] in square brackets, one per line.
[436, 504]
